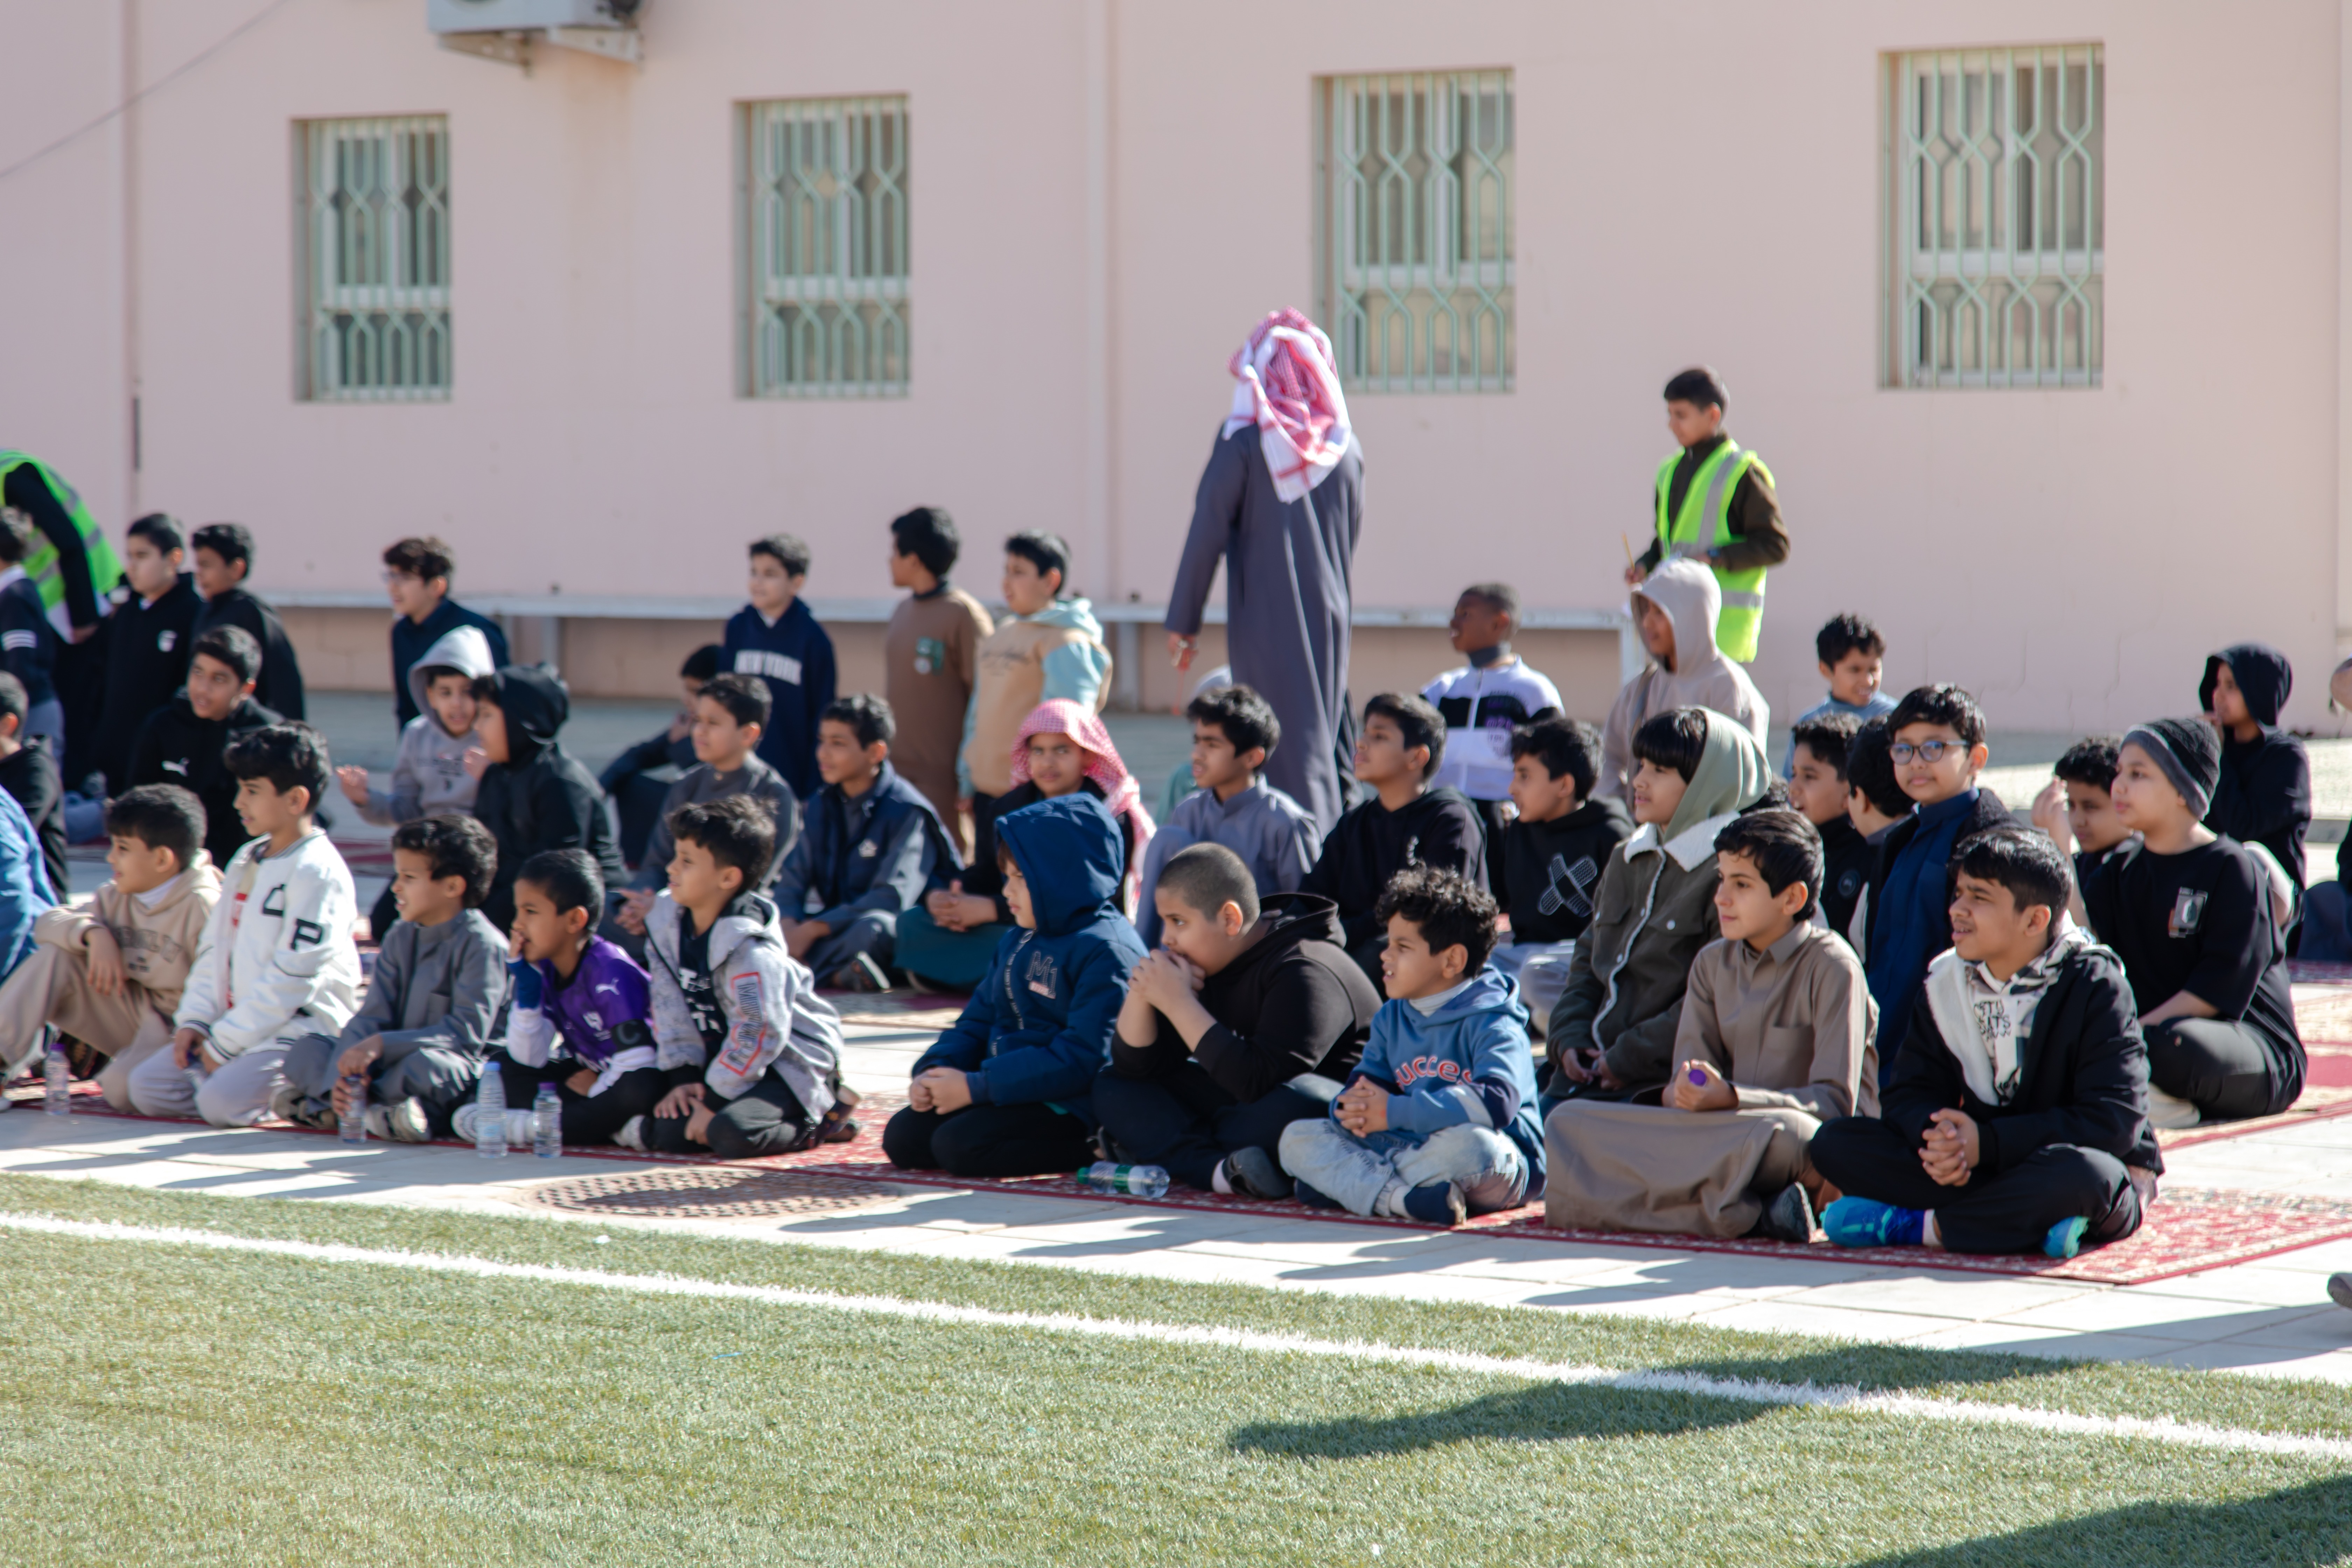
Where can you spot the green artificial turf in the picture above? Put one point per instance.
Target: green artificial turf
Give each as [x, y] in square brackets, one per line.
[161, 1403]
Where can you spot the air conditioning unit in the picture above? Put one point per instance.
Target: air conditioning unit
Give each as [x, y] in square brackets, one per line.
[504, 31]
[521, 15]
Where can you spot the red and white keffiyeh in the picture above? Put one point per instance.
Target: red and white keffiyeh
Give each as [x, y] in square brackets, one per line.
[1290, 388]
[1122, 797]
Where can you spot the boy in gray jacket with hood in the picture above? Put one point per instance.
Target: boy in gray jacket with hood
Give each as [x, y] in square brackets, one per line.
[436, 1002]
[752, 1052]
[428, 773]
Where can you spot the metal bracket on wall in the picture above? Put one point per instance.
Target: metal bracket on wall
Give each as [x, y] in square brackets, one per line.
[625, 45]
[506, 49]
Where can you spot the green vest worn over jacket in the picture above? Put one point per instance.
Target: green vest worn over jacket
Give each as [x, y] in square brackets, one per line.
[1704, 524]
[41, 561]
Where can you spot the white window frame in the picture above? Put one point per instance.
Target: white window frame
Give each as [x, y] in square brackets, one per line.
[1415, 228]
[373, 203]
[824, 270]
[1995, 253]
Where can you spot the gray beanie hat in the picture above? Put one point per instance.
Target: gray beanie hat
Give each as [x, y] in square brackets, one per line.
[2190, 753]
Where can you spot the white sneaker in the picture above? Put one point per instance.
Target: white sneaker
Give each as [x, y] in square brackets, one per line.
[402, 1122]
[632, 1134]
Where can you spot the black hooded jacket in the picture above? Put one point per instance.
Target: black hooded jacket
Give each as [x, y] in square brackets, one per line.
[1292, 1002]
[175, 747]
[540, 798]
[2265, 794]
[1439, 828]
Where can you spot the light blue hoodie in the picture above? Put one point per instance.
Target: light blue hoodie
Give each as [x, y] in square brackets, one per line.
[1467, 1062]
[1075, 671]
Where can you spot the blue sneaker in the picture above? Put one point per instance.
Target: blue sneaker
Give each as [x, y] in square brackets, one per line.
[2065, 1237]
[1435, 1203]
[1866, 1222]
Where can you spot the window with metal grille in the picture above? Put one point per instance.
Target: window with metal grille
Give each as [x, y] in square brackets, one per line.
[1997, 249]
[376, 216]
[825, 223]
[1415, 233]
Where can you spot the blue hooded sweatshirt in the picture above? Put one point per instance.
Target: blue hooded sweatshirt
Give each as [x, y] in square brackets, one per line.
[1040, 1025]
[1467, 1062]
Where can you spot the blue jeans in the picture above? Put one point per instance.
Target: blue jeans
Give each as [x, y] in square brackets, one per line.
[1357, 1173]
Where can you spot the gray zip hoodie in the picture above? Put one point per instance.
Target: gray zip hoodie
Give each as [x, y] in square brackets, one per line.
[444, 985]
[776, 1019]
[428, 774]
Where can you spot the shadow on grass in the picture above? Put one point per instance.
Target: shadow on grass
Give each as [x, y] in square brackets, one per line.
[2303, 1526]
[1540, 1413]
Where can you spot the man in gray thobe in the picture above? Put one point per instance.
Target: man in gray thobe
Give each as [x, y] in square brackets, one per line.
[1288, 600]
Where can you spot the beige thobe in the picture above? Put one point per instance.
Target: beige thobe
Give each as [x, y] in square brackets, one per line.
[1793, 1028]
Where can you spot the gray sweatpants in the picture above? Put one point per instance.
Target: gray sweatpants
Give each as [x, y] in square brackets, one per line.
[1358, 1173]
[236, 1094]
[439, 1075]
[874, 932]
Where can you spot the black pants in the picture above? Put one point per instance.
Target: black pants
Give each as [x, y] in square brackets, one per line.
[2012, 1212]
[1033, 1140]
[586, 1119]
[767, 1119]
[1187, 1122]
[2228, 1071]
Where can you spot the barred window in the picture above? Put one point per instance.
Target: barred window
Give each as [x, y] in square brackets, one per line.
[1998, 199]
[825, 223]
[376, 215]
[1415, 235]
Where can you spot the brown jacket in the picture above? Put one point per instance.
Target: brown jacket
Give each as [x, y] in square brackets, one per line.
[1652, 913]
[159, 945]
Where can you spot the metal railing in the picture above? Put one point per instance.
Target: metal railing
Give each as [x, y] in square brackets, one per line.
[827, 227]
[376, 233]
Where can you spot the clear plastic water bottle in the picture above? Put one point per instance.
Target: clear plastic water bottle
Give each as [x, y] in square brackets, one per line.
[1135, 1180]
[490, 1115]
[353, 1124]
[57, 1081]
[546, 1122]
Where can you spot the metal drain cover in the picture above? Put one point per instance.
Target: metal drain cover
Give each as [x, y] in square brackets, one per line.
[703, 1192]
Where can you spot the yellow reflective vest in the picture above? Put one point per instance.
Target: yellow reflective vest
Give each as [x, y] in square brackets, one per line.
[1704, 524]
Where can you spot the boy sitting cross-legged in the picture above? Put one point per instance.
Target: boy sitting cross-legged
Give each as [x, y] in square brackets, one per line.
[1820, 791]
[1234, 731]
[1406, 823]
[2016, 1118]
[109, 971]
[752, 1052]
[1552, 854]
[1008, 1090]
[276, 961]
[581, 1005]
[1776, 1037]
[437, 999]
[1438, 1120]
[869, 851]
[1242, 1021]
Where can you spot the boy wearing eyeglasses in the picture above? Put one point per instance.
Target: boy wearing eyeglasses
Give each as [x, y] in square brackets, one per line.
[1938, 749]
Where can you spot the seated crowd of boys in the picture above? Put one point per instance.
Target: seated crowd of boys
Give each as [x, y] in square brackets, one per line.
[1853, 995]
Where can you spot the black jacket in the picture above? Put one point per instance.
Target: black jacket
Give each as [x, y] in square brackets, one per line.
[1848, 858]
[1371, 843]
[540, 798]
[1292, 1002]
[175, 747]
[1551, 870]
[279, 687]
[145, 650]
[2264, 795]
[30, 773]
[2082, 1074]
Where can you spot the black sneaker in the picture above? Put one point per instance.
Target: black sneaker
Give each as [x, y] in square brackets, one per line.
[838, 1125]
[1311, 1198]
[1436, 1203]
[2340, 1290]
[1788, 1217]
[861, 975]
[1253, 1174]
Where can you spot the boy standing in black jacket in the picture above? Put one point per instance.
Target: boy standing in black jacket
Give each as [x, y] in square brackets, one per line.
[146, 641]
[184, 742]
[224, 553]
[1405, 823]
[1553, 853]
[1245, 1019]
[535, 795]
[2016, 1117]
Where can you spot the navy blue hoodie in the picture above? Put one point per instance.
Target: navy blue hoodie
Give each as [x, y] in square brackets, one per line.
[1467, 1063]
[1041, 1024]
[795, 657]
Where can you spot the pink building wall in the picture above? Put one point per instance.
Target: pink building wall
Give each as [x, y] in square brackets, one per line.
[1106, 193]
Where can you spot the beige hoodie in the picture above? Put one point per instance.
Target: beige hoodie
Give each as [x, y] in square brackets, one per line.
[158, 944]
[1702, 677]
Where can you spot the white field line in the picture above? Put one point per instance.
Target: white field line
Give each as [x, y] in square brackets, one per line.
[1836, 1397]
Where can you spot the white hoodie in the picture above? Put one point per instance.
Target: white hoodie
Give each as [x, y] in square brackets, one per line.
[1702, 677]
[428, 774]
[276, 949]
